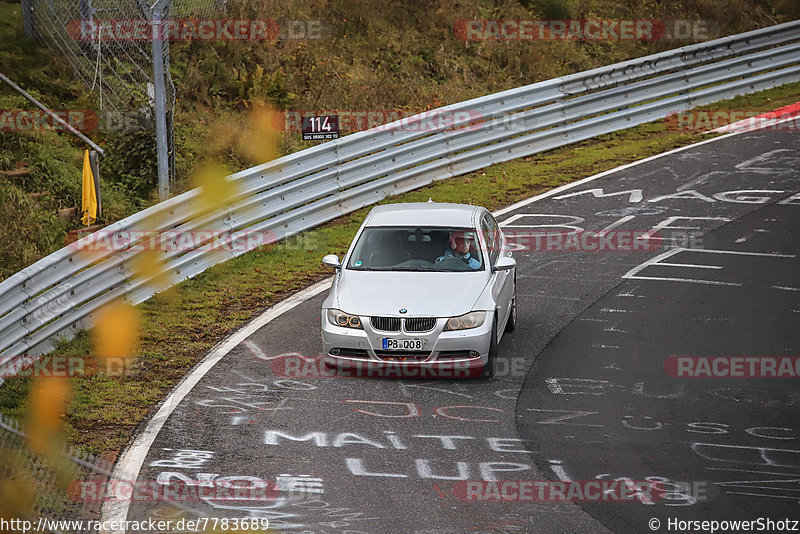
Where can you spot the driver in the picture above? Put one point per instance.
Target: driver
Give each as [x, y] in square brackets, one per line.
[460, 242]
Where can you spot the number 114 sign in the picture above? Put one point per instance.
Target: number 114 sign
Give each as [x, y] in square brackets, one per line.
[320, 128]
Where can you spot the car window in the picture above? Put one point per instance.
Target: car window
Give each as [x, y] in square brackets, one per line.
[417, 249]
[487, 237]
[498, 234]
[489, 228]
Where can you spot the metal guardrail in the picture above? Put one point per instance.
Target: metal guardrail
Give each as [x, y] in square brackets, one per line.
[58, 295]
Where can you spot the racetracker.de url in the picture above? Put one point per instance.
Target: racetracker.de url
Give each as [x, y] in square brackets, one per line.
[200, 524]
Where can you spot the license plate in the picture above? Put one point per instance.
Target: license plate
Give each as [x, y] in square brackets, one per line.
[389, 343]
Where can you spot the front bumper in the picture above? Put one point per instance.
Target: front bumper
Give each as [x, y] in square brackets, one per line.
[348, 346]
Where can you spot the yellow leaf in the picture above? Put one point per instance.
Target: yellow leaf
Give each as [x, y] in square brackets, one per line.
[217, 191]
[150, 266]
[116, 331]
[16, 498]
[48, 400]
[261, 138]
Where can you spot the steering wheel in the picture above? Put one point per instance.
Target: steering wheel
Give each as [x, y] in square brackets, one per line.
[454, 262]
[414, 263]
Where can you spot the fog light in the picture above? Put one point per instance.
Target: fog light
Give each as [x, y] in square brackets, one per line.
[335, 351]
[474, 353]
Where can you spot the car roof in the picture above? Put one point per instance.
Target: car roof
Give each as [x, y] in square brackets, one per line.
[424, 214]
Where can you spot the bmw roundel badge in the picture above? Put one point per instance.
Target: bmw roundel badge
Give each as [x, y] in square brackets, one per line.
[403, 310]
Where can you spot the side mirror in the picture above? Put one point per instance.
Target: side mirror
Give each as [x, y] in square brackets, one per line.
[332, 261]
[504, 263]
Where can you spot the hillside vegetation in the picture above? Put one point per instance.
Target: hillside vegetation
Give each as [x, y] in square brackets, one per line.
[372, 55]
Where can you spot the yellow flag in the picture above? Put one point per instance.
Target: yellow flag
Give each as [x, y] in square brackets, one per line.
[89, 194]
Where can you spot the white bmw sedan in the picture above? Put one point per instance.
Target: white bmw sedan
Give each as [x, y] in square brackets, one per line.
[423, 286]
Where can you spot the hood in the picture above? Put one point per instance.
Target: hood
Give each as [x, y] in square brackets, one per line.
[421, 293]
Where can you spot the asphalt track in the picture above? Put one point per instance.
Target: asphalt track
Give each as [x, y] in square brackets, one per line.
[581, 391]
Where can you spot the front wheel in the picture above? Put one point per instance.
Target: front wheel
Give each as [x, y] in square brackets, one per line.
[488, 368]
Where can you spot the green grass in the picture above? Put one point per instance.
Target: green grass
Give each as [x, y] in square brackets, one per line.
[180, 325]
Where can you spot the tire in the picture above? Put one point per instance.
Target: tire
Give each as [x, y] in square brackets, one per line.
[511, 323]
[488, 369]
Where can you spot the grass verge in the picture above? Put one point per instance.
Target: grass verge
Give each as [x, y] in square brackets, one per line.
[180, 325]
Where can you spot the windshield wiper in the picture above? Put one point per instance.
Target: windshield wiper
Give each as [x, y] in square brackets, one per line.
[412, 269]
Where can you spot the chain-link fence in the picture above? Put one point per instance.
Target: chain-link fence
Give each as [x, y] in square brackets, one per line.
[35, 486]
[65, 493]
[117, 68]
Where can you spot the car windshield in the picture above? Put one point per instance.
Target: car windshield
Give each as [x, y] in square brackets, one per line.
[417, 249]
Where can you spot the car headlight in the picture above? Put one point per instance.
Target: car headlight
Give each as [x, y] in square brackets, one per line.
[466, 321]
[340, 318]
